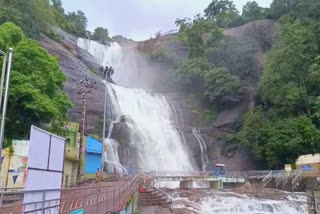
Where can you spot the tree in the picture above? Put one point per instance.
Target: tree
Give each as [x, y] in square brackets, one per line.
[32, 16]
[10, 35]
[58, 11]
[221, 86]
[191, 73]
[289, 138]
[57, 5]
[278, 141]
[219, 7]
[298, 8]
[287, 82]
[36, 96]
[235, 55]
[101, 35]
[223, 12]
[77, 23]
[198, 35]
[254, 133]
[252, 11]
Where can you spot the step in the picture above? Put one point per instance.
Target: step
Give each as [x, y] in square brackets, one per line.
[151, 193]
[167, 203]
[153, 199]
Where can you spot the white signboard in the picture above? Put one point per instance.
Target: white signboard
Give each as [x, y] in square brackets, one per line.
[44, 172]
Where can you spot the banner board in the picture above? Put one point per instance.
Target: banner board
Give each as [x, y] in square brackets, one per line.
[44, 172]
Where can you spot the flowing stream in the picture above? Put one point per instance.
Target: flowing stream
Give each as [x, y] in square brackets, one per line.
[224, 204]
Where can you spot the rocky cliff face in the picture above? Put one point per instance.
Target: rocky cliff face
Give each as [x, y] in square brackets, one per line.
[76, 64]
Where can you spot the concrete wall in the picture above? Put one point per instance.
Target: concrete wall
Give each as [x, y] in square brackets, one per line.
[70, 173]
[71, 164]
[308, 160]
[5, 161]
[14, 164]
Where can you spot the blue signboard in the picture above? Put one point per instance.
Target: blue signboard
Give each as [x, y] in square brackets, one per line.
[306, 168]
[79, 211]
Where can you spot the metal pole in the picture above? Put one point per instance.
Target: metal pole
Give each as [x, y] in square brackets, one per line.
[3, 72]
[82, 135]
[5, 101]
[104, 123]
[43, 201]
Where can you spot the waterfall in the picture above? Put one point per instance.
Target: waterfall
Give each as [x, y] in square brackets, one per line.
[159, 144]
[203, 148]
[151, 133]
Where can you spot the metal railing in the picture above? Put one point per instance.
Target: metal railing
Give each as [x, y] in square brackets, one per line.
[94, 198]
[154, 183]
[231, 174]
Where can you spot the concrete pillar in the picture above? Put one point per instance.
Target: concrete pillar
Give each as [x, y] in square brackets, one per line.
[186, 184]
[216, 184]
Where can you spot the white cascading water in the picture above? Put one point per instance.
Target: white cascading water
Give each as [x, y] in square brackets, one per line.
[111, 155]
[228, 204]
[203, 148]
[126, 63]
[160, 145]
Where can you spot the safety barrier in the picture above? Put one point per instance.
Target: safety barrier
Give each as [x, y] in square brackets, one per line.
[95, 198]
[231, 174]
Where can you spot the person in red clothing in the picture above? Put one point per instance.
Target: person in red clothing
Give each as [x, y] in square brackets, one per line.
[142, 190]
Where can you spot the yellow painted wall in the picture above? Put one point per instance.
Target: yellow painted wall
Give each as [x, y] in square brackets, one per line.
[70, 173]
[4, 168]
[312, 160]
[70, 165]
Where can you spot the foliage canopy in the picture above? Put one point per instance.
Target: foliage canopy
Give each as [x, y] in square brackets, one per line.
[36, 96]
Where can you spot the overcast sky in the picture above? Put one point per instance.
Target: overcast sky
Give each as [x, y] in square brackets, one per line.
[140, 19]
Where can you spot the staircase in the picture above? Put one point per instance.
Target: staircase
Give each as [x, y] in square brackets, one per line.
[151, 194]
[266, 180]
[153, 197]
[296, 180]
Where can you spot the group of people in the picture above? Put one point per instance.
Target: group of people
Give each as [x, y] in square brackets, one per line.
[108, 71]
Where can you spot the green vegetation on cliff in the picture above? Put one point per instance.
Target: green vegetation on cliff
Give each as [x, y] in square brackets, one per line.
[285, 124]
[217, 65]
[285, 120]
[37, 16]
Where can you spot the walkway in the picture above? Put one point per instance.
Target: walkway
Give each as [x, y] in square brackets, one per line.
[195, 176]
[95, 199]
